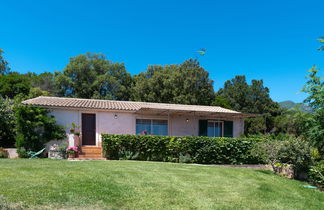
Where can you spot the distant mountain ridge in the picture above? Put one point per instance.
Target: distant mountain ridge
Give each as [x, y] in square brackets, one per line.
[292, 105]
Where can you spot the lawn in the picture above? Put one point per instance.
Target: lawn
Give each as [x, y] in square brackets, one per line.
[148, 185]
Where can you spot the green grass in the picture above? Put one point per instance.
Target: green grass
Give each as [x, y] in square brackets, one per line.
[148, 185]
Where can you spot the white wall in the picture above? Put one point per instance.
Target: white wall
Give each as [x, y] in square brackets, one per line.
[125, 123]
[66, 117]
[238, 127]
[180, 127]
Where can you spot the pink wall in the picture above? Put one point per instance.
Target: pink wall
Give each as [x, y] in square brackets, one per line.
[125, 122]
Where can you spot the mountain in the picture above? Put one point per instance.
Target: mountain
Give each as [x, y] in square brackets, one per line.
[292, 105]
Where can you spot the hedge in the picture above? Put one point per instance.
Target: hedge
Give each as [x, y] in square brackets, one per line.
[206, 150]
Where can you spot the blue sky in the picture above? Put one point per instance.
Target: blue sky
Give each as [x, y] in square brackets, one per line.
[270, 40]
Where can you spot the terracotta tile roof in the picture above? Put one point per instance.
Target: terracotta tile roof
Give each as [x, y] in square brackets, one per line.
[121, 105]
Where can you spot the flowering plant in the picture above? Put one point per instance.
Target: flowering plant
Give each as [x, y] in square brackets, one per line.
[144, 132]
[72, 150]
[54, 148]
[58, 148]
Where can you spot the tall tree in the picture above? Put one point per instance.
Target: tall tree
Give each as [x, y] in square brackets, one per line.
[13, 84]
[187, 83]
[252, 98]
[4, 67]
[93, 76]
[315, 89]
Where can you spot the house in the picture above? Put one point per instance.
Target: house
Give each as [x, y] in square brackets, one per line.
[129, 117]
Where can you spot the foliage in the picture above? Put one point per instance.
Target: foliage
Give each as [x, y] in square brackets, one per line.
[4, 68]
[3, 153]
[187, 83]
[222, 102]
[93, 76]
[35, 128]
[294, 122]
[127, 155]
[321, 40]
[255, 125]
[7, 123]
[315, 89]
[252, 98]
[185, 158]
[295, 151]
[269, 152]
[316, 173]
[166, 148]
[315, 132]
[44, 82]
[14, 84]
[22, 152]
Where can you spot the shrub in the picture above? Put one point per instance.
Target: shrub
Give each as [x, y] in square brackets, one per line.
[7, 123]
[169, 148]
[316, 174]
[22, 153]
[35, 128]
[3, 153]
[295, 151]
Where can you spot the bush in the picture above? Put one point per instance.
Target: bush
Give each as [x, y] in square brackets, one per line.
[295, 151]
[180, 149]
[316, 174]
[7, 123]
[22, 153]
[3, 153]
[35, 128]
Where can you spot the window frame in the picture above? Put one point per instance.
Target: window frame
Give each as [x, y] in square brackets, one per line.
[216, 121]
[151, 125]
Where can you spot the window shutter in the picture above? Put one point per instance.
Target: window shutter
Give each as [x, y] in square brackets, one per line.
[228, 128]
[203, 127]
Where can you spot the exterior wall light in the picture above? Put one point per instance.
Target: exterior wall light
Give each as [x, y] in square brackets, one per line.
[187, 120]
[115, 116]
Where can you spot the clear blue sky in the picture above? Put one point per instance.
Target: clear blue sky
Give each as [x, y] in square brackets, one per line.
[270, 40]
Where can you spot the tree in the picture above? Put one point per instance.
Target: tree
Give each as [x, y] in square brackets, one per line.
[187, 83]
[93, 76]
[35, 128]
[4, 68]
[13, 84]
[252, 98]
[321, 40]
[43, 82]
[7, 123]
[222, 102]
[315, 88]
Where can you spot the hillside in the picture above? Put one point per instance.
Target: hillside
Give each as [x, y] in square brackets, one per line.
[292, 105]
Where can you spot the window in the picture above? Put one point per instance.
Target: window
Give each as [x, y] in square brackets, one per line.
[215, 129]
[154, 127]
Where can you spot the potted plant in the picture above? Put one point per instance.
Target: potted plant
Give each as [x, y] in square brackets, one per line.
[73, 128]
[57, 151]
[72, 151]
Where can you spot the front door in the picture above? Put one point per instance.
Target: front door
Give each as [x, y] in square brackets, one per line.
[88, 129]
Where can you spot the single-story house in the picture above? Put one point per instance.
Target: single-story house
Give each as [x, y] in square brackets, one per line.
[129, 117]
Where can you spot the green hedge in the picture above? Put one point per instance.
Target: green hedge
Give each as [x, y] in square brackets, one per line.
[170, 148]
